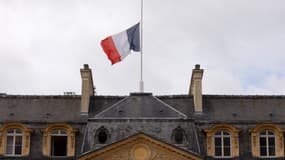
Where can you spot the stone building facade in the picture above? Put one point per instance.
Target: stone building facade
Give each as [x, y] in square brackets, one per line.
[142, 126]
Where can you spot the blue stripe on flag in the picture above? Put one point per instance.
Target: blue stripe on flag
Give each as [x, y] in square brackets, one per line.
[134, 37]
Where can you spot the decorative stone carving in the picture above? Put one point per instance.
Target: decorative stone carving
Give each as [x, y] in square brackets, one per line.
[140, 147]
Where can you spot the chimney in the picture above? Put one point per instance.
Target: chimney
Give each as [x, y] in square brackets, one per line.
[87, 89]
[196, 88]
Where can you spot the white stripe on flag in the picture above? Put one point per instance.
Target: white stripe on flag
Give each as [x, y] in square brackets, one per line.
[122, 44]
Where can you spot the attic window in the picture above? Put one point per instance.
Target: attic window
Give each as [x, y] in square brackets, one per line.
[58, 143]
[265, 140]
[59, 140]
[267, 143]
[14, 142]
[102, 136]
[222, 143]
[178, 135]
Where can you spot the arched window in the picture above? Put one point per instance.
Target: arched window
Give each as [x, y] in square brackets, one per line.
[102, 136]
[267, 143]
[16, 140]
[222, 141]
[222, 144]
[59, 140]
[178, 135]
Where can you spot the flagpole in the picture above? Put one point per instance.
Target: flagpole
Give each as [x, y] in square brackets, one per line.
[141, 47]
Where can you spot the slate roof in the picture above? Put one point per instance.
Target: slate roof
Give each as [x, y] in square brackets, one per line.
[217, 108]
[244, 108]
[140, 105]
[15, 108]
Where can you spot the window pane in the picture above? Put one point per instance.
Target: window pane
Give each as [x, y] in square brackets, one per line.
[270, 133]
[227, 151]
[58, 132]
[218, 151]
[218, 142]
[271, 151]
[227, 142]
[18, 150]
[271, 141]
[226, 133]
[262, 141]
[18, 131]
[263, 133]
[218, 133]
[9, 146]
[18, 141]
[10, 131]
[54, 131]
[63, 132]
[263, 151]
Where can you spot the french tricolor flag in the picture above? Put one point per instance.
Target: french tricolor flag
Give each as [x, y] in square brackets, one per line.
[118, 46]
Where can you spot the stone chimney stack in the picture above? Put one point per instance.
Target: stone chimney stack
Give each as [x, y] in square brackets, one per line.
[87, 89]
[196, 88]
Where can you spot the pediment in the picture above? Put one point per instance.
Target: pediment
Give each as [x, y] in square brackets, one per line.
[140, 147]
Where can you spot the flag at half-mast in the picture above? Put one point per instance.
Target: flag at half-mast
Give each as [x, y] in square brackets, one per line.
[118, 46]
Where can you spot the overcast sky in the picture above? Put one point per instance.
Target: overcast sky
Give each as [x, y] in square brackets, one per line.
[240, 44]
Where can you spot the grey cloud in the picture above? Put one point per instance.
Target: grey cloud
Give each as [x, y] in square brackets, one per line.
[44, 43]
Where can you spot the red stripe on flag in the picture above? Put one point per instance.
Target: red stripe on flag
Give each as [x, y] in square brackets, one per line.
[110, 49]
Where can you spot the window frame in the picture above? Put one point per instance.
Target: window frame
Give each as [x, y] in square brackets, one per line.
[234, 140]
[222, 137]
[267, 147]
[96, 141]
[14, 135]
[25, 136]
[47, 134]
[60, 133]
[255, 140]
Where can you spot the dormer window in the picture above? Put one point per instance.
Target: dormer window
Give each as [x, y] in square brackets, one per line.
[59, 140]
[58, 143]
[222, 141]
[178, 136]
[267, 141]
[16, 140]
[102, 136]
[222, 144]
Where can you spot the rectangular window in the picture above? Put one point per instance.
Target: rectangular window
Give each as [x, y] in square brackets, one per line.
[58, 145]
